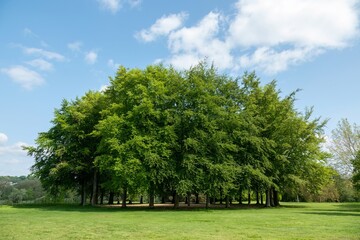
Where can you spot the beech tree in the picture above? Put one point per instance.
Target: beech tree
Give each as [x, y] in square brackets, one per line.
[136, 129]
[64, 156]
[179, 133]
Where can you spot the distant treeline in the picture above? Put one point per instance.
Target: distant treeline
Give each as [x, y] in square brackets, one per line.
[20, 189]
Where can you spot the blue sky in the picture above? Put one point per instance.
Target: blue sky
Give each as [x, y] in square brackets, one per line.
[51, 50]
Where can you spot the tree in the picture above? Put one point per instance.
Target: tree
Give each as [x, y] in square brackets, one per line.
[136, 130]
[356, 171]
[64, 155]
[344, 146]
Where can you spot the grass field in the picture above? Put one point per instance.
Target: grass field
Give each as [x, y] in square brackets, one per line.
[291, 221]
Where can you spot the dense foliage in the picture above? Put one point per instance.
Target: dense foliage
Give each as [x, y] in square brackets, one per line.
[161, 132]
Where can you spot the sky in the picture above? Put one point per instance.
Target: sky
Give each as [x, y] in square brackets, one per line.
[55, 50]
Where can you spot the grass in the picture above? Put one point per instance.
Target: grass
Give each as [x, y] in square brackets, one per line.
[291, 221]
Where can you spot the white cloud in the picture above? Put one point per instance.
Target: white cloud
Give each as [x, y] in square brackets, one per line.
[41, 64]
[272, 61]
[3, 138]
[113, 65]
[189, 45]
[91, 57]
[25, 77]
[75, 46]
[44, 53]
[103, 88]
[134, 3]
[29, 33]
[14, 160]
[112, 5]
[162, 27]
[303, 23]
[267, 35]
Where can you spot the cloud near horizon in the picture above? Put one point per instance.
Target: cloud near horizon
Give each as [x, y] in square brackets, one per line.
[13, 158]
[3, 138]
[266, 35]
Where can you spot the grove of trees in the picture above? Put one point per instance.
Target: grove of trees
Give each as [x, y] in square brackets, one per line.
[162, 132]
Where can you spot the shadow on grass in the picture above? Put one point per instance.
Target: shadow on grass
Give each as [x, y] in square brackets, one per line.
[133, 207]
[347, 209]
[351, 207]
[341, 209]
[329, 213]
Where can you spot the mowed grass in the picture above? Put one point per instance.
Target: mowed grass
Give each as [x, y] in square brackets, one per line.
[291, 221]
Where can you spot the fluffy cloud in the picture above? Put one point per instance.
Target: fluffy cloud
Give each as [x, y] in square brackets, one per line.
[111, 5]
[162, 27]
[113, 65]
[41, 64]
[75, 46]
[103, 88]
[25, 77]
[272, 61]
[303, 23]
[115, 5]
[3, 138]
[44, 53]
[91, 57]
[134, 3]
[188, 45]
[14, 160]
[267, 35]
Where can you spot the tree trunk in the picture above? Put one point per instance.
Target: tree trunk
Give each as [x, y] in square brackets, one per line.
[141, 199]
[261, 198]
[173, 197]
[272, 197]
[268, 198]
[207, 201]
[111, 198]
[257, 197]
[176, 204]
[227, 201]
[102, 196]
[276, 198]
[83, 193]
[221, 196]
[163, 199]
[240, 196]
[197, 198]
[124, 196]
[249, 197]
[188, 199]
[94, 195]
[151, 195]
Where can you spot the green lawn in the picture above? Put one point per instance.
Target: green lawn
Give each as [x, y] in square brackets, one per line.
[291, 221]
